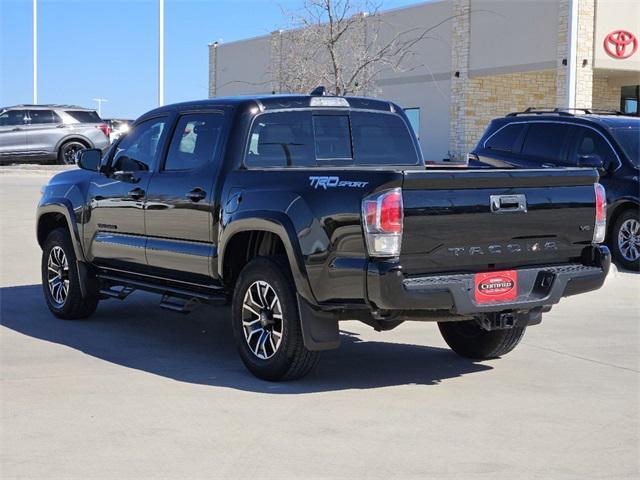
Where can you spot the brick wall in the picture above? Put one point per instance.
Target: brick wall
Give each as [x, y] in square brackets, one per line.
[604, 95]
[497, 95]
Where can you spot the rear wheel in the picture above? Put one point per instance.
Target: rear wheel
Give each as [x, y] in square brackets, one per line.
[266, 323]
[625, 240]
[68, 152]
[469, 340]
[61, 281]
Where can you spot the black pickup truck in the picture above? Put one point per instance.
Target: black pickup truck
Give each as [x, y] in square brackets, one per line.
[305, 210]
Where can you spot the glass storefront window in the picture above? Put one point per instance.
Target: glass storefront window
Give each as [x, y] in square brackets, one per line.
[629, 100]
[413, 114]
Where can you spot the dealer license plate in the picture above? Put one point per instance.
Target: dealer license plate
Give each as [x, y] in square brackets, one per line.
[493, 287]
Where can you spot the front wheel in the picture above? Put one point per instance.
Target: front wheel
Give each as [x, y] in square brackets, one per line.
[469, 340]
[266, 324]
[625, 240]
[61, 281]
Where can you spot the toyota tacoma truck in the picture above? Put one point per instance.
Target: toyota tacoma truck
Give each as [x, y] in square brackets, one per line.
[306, 210]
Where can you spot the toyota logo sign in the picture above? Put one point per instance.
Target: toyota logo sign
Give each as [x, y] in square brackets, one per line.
[620, 44]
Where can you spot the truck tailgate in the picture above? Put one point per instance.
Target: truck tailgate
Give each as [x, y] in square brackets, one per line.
[482, 220]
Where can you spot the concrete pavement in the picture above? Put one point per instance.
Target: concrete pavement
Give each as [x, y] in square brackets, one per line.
[138, 392]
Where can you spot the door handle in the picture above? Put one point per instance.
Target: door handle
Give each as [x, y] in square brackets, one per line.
[196, 194]
[508, 203]
[548, 165]
[137, 193]
[17, 129]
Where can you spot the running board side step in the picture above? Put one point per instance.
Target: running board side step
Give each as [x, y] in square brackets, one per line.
[179, 305]
[173, 298]
[114, 292]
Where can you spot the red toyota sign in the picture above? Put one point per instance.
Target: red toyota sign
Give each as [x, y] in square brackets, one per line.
[620, 44]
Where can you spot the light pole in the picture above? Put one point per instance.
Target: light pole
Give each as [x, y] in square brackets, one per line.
[35, 51]
[160, 53]
[100, 102]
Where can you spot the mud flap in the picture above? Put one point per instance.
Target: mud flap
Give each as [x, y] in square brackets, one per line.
[88, 284]
[319, 329]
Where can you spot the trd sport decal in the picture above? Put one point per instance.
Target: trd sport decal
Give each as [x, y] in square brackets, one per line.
[334, 182]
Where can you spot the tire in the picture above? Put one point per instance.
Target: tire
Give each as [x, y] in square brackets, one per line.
[60, 279]
[68, 151]
[625, 240]
[269, 339]
[468, 340]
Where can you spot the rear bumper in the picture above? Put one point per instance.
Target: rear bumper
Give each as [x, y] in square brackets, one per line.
[388, 289]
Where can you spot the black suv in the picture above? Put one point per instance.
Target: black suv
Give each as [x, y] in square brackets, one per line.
[604, 140]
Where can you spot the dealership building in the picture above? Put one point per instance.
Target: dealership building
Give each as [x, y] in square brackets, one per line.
[484, 59]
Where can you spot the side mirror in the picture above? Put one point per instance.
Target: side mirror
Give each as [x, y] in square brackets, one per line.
[591, 161]
[90, 159]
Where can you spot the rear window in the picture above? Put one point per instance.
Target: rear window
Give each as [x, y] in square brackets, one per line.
[332, 137]
[84, 116]
[505, 138]
[281, 139]
[545, 140]
[382, 139]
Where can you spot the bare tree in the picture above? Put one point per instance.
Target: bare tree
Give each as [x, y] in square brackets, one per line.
[341, 44]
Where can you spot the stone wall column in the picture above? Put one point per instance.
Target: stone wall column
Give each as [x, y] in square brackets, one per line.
[459, 134]
[583, 62]
[584, 53]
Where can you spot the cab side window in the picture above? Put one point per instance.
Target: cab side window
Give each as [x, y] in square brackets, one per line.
[139, 150]
[13, 118]
[590, 143]
[194, 141]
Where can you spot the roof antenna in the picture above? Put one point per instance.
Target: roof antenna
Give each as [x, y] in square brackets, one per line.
[319, 91]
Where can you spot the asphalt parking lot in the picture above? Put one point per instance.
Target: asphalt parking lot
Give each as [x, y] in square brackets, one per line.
[138, 392]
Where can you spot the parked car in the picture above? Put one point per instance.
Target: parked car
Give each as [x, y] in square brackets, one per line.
[49, 133]
[303, 211]
[604, 140]
[117, 127]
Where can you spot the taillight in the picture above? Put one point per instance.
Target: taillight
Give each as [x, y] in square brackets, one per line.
[382, 219]
[104, 128]
[600, 230]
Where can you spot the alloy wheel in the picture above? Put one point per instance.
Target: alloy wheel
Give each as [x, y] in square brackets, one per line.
[70, 153]
[629, 239]
[58, 275]
[262, 320]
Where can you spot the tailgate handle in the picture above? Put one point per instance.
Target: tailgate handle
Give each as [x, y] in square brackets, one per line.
[508, 203]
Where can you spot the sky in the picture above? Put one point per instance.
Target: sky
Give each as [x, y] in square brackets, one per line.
[109, 49]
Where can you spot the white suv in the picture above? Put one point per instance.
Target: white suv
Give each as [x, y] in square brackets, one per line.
[49, 133]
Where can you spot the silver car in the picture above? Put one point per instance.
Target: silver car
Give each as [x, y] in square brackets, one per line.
[49, 133]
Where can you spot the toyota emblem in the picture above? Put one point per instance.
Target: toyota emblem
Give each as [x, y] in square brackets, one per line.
[620, 44]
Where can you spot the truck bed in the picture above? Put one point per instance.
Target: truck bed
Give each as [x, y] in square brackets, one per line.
[453, 225]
